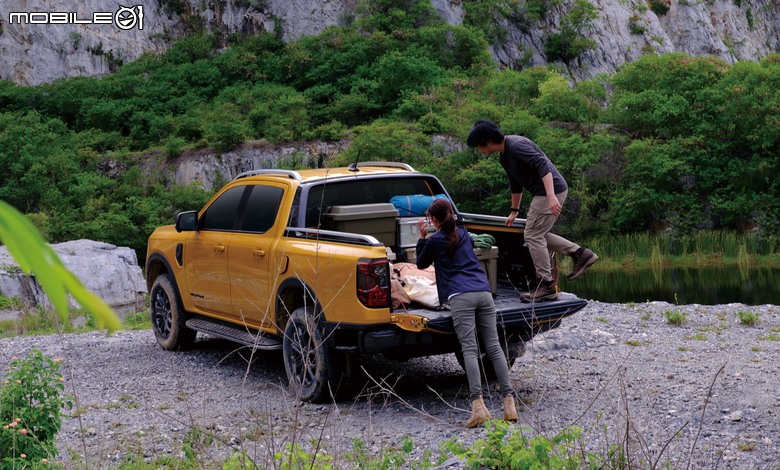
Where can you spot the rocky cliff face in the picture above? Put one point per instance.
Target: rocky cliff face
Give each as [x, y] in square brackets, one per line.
[625, 29]
[213, 170]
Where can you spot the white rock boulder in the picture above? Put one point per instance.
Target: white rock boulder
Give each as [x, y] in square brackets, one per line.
[109, 271]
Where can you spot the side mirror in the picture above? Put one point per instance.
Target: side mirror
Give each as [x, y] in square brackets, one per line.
[187, 221]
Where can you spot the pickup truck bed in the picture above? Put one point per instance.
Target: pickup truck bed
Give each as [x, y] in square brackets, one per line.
[511, 313]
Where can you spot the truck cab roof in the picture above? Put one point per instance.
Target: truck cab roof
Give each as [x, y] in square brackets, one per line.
[355, 170]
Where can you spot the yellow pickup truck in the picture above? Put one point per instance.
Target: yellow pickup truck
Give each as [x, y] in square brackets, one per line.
[300, 261]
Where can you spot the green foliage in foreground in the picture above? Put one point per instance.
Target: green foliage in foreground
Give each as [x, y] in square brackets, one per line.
[504, 447]
[32, 253]
[518, 448]
[31, 400]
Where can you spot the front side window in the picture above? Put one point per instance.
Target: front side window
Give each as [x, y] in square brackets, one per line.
[221, 214]
[261, 208]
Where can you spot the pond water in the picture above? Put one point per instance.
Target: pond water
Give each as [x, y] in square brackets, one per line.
[706, 286]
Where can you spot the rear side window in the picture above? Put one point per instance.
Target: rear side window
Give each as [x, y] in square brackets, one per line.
[262, 208]
[221, 214]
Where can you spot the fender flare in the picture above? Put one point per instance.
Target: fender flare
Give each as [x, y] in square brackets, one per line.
[281, 312]
[158, 258]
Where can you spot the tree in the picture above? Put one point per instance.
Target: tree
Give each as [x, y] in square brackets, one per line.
[569, 43]
[557, 101]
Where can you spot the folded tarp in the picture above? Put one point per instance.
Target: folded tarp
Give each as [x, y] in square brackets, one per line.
[414, 205]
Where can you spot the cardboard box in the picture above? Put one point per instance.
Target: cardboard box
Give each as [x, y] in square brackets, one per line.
[488, 258]
[377, 220]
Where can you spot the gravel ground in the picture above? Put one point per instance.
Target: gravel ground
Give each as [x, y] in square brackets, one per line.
[702, 395]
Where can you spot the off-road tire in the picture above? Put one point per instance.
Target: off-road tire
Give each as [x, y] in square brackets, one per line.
[168, 317]
[306, 356]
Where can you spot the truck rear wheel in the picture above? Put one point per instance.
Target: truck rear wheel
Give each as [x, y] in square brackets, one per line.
[306, 356]
[167, 316]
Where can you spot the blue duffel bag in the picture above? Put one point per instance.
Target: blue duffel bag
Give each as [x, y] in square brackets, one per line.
[414, 205]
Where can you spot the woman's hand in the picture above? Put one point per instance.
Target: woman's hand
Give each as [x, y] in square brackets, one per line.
[422, 225]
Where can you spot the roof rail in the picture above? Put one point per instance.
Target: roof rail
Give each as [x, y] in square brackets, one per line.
[289, 173]
[403, 166]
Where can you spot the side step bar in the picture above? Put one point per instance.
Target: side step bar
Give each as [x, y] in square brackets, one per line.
[237, 335]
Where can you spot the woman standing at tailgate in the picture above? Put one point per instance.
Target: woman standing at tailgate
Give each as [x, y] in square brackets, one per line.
[461, 281]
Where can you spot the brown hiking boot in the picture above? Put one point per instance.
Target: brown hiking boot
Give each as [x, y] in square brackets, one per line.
[510, 411]
[479, 413]
[583, 259]
[547, 290]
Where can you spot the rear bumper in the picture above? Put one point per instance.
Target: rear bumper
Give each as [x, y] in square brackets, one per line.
[513, 317]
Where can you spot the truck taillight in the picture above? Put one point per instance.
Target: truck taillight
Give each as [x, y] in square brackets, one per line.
[373, 282]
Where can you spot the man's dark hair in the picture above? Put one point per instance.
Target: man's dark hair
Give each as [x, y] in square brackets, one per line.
[483, 132]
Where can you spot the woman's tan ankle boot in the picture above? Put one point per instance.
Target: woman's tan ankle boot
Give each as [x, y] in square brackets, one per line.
[510, 412]
[479, 413]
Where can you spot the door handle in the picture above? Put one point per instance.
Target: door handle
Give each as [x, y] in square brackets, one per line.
[257, 252]
[219, 248]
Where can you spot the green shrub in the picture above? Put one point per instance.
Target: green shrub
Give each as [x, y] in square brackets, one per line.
[190, 49]
[660, 7]
[31, 399]
[8, 303]
[557, 101]
[675, 317]
[504, 449]
[453, 47]
[515, 89]
[279, 113]
[330, 132]
[382, 141]
[571, 40]
[174, 146]
[225, 128]
[294, 457]
[397, 73]
[635, 25]
[390, 457]
[748, 318]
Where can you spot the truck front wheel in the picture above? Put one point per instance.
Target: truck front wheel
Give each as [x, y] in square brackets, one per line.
[306, 356]
[168, 316]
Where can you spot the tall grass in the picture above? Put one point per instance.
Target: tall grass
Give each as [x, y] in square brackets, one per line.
[700, 248]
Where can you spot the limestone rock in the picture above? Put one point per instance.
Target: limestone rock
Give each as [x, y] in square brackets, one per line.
[625, 29]
[213, 170]
[110, 272]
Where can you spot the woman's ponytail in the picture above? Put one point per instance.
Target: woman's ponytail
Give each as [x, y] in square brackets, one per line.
[441, 210]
